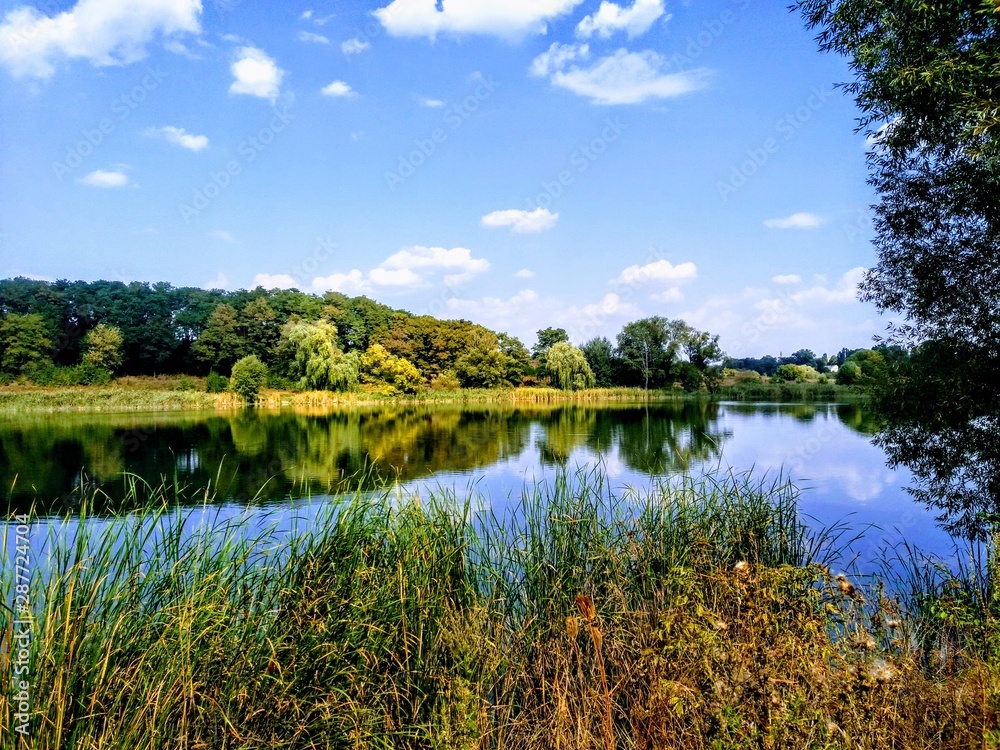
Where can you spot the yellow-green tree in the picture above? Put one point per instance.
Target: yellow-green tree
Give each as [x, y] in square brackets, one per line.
[387, 373]
[317, 363]
[103, 347]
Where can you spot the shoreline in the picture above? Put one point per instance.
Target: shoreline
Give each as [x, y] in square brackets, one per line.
[165, 394]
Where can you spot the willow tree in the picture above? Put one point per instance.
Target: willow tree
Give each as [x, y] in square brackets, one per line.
[569, 367]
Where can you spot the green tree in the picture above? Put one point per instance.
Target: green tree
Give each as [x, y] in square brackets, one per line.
[569, 367]
[518, 358]
[103, 347]
[600, 356]
[547, 338]
[24, 342]
[927, 83]
[249, 376]
[483, 365]
[648, 348]
[220, 344]
[316, 362]
[388, 373]
[260, 331]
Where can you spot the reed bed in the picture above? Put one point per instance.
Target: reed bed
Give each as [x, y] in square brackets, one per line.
[700, 613]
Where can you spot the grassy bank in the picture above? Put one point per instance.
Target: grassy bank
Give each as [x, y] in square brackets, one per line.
[698, 615]
[182, 393]
[781, 391]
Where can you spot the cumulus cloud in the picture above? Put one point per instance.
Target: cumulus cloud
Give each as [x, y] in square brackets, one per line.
[274, 281]
[311, 38]
[105, 179]
[609, 18]
[525, 273]
[338, 88]
[673, 294]
[787, 278]
[179, 137]
[352, 282]
[410, 268]
[432, 103]
[521, 222]
[845, 292]
[512, 18]
[104, 32]
[354, 46]
[622, 78]
[801, 220]
[658, 271]
[255, 73]
[219, 282]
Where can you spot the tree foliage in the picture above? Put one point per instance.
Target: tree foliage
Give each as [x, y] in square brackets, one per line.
[103, 347]
[24, 342]
[317, 363]
[927, 83]
[387, 373]
[249, 376]
[569, 367]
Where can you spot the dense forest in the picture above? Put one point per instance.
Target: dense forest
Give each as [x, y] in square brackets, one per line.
[76, 332]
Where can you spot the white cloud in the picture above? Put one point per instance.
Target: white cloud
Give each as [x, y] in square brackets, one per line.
[395, 277]
[622, 78]
[352, 282]
[104, 179]
[521, 222]
[525, 273]
[458, 259]
[659, 270]
[787, 278]
[432, 103]
[845, 292]
[410, 268]
[274, 281]
[311, 38]
[222, 234]
[338, 88]
[673, 294]
[219, 282]
[256, 74]
[354, 46]
[511, 18]
[105, 32]
[178, 48]
[179, 137]
[557, 56]
[610, 304]
[306, 15]
[801, 220]
[609, 18]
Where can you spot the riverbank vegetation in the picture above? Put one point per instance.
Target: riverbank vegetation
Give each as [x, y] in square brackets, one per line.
[67, 334]
[700, 614]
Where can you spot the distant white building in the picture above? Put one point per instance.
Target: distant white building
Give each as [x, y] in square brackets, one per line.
[834, 368]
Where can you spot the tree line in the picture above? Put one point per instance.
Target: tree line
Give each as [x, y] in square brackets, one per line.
[69, 332]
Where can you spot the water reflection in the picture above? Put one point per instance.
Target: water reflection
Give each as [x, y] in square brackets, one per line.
[293, 453]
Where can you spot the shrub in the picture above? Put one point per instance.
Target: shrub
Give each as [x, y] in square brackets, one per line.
[185, 384]
[248, 378]
[446, 381]
[216, 383]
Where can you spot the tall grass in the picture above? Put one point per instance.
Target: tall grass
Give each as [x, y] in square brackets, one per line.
[698, 614]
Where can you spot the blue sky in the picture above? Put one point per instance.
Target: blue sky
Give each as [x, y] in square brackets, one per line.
[520, 164]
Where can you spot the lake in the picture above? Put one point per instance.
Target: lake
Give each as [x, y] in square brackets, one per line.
[269, 460]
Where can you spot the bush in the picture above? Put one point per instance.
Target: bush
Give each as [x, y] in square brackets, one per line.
[249, 375]
[185, 384]
[279, 382]
[216, 383]
[446, 381]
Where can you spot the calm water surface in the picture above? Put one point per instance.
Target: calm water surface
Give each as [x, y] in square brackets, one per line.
[271, 461]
